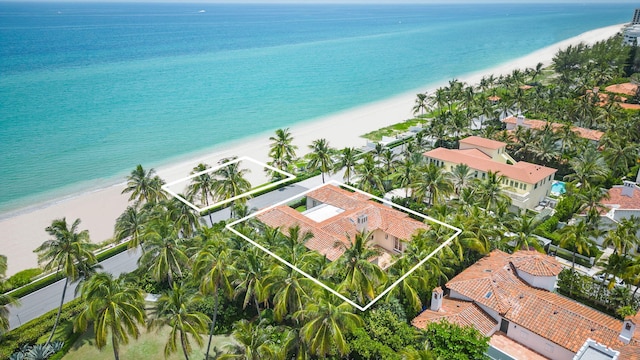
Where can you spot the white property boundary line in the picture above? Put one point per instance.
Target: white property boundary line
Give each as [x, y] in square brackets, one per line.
[337, 183]
[289, 177]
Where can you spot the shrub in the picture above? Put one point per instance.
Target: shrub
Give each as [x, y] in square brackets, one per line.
[23, 277]
[30, 332]
[451, 341]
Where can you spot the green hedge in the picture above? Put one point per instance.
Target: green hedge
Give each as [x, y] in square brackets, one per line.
[50, 279]
[305, 176]
[30, 332]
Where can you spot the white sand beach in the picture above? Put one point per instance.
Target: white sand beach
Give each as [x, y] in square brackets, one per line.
[98, 210]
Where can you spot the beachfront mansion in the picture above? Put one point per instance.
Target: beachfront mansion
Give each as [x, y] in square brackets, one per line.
[334, 216]
[525, 183]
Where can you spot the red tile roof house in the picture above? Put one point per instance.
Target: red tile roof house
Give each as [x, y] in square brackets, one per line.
[623, 202]
[513, 122]
[335, 215]
[511, 295]
[525, 183]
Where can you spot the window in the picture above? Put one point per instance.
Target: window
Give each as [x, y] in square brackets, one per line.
[535, 186]
[511, 183]
[397, 245]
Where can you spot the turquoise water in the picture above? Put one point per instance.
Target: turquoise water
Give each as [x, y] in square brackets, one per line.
[87, 91]
[558, 187]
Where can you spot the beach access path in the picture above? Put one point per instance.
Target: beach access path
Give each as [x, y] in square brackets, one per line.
[23, 231]
[48, 298]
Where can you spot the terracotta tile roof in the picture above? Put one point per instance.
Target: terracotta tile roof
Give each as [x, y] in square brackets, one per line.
[516, 350]
[626, 88]
[621, 202]
[493, 98]
[522, 171]
[492, 282]
[526, 87]
[482, 142]
[584, 133]
[331, 236]
[535, 263]
[475, 153]
[630, 353]
[463, 313]
[630, 106]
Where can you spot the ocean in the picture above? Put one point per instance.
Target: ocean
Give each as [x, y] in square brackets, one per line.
[90, 90]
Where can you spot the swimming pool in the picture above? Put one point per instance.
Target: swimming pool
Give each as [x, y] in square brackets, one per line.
[558, 188]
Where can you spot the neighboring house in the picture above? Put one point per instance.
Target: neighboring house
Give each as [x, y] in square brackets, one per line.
[623, 203]
[513, 122]
[631, 34]
[511, 295]
[525, 183]
[335, 215]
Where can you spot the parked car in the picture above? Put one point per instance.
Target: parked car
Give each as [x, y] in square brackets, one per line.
[600, 278]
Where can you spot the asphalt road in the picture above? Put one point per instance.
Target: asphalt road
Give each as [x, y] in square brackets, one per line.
[44, 300]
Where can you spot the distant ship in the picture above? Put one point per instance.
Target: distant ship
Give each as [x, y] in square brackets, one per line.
[202, 11]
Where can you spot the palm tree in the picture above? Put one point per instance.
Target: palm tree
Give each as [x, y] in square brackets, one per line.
[174, 309]
[201, 187]
[360, 275]
[421, 104]
[461, 177]
[68, 252]
[433, 183]
[257, 341]
[369, 175]
[523, 228]
[320, 157]
[589, 167]
[326, 324]
[131, 225]
[183, 216]
[251, 267]
[212, 265]
[230, 182]
[589, 198]
[4, 298]
[163, 255]
[490, 190]
[405, 175]
[545, 149]
[113, 307]
[347, 160]
[577, 238]
[281, 150]
[144, 186]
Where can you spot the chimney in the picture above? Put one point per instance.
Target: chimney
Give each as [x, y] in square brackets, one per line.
[520, 120]
[628, 328]
[362, 221]
[436, 299]
[628, 188]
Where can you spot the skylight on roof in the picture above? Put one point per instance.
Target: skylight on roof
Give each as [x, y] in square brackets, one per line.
[488, 295]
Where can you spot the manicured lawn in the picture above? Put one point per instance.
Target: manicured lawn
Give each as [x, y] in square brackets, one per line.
[150, 345]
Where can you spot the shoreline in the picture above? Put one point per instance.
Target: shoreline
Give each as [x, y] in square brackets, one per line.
[98, 208]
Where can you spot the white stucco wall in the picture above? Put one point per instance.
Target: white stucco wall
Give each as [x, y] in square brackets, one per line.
[540, 282]
[538, 343]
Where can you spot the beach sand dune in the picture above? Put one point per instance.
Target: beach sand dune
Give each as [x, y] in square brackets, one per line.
[22, 233]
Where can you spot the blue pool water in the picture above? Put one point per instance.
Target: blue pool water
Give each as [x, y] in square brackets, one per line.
[558, 188]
